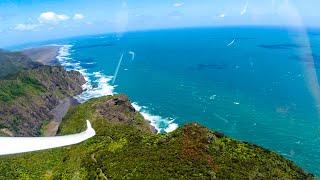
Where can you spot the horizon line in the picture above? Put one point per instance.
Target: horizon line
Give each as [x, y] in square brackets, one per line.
[37, 43]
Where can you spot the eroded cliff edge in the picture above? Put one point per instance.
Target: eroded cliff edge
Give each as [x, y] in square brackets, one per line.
[29, 91]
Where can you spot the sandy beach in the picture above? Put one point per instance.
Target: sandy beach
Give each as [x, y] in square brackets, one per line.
[45, 54]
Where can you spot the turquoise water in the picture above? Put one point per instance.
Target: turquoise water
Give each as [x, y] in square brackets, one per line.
[254, 84]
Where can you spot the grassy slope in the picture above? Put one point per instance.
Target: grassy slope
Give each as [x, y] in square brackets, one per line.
[124, 147]
[15, 88]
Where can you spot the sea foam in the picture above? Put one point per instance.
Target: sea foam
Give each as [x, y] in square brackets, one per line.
[161, 124]
[103, 87]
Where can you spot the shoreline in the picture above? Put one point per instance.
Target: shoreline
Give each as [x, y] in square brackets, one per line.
[104, 88]
[46, 55]
[51, 55]
[63, 105]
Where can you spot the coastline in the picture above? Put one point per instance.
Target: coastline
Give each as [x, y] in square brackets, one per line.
[103, 87]
[57, 55]
[46, 55]
[64, 105]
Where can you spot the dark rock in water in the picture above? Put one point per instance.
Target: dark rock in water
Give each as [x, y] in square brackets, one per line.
[95, 85]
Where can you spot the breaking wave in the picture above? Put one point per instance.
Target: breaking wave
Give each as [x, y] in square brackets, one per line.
[97, 85]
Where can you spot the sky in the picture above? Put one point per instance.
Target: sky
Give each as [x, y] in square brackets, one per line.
[23, 21]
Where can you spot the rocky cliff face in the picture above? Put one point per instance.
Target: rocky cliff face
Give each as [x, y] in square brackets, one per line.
[120, 110]
[27, 98]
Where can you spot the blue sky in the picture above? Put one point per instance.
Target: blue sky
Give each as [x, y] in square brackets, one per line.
[23, 21]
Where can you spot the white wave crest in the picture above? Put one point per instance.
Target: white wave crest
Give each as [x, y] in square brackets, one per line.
[161, 124]
[103, 88]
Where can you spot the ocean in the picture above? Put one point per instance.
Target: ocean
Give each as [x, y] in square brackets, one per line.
[255, 84]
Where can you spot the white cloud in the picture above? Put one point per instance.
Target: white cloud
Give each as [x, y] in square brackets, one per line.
[26, 27]
[49, 17]
[78, 16]
[177, 5]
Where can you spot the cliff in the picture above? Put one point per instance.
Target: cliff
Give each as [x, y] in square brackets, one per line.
[27, 97]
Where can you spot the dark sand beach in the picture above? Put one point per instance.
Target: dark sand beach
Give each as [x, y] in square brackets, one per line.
[58, 113]
[44, 54]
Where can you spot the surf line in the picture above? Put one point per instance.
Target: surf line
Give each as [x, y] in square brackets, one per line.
[15, 145]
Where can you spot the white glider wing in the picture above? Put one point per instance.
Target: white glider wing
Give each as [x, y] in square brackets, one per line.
[14, 145]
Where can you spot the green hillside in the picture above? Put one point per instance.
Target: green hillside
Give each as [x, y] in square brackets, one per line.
[13, 62]
[126, 148]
